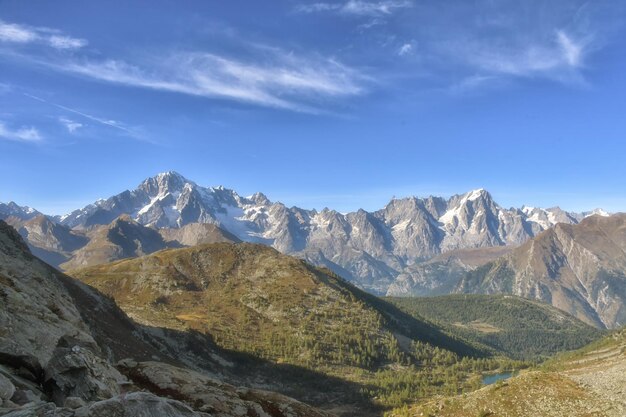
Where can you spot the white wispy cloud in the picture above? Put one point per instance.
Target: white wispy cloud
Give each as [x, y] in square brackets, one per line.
[16, 33]
[283, 81]
[559, 57]
[66, 42]
[473, 83]
[265, 76]
[571, 50]
[69, 124]
[356, 7]
[23, 34]
[22, 134]
[405, 49]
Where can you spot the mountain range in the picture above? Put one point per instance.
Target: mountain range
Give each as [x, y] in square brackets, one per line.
[412, 246]
[372, 249]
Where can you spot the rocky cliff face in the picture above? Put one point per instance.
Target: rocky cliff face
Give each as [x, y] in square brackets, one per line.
[576, 268]
[60, 340]
[369, 248]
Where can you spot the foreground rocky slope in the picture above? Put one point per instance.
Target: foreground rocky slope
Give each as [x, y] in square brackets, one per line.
[590, 382]
[580, 269]
[369, 248]
[60, 340]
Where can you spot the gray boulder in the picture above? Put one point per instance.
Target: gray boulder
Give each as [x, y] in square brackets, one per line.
[22, 397]
[139, 404]
[75, 371]
[7, 389]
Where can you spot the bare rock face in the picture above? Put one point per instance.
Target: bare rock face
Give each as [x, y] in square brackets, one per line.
[36, 311]
[43, 336]
[138, 404]
[75, 371]
[576, 268]
[6, 388]
[210, 395]
[36, 409]
[134, 404]
[49, 241]
[442, 274]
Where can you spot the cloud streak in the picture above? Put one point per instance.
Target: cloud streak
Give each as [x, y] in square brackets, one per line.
[23, 34]
[71, 125]
[110, 123]
[560, 58]
[283, 81]
[405, 49]
[356, 7]
[265, 76]
[21, 134]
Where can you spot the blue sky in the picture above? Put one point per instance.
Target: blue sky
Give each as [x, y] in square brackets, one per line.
[341, 104]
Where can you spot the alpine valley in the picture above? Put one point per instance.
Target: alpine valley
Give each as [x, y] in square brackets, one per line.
[412, 246]
[179, 300]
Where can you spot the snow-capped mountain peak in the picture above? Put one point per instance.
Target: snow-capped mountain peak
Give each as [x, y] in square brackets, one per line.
[598, 212]
[369, 247]
[20, 212]
[476, 194]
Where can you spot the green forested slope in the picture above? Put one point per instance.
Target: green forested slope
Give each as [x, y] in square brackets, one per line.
[513, 326]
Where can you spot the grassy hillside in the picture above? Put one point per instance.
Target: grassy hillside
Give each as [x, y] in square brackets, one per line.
[513, 326]
[254, 300]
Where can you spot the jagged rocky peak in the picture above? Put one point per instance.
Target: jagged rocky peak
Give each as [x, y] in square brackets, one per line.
[260, 199]
[226, 196]
[473, 195]
[464, 209]
[164, 183]
[11, 209]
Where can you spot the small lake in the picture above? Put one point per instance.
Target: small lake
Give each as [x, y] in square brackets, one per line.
[493, 378]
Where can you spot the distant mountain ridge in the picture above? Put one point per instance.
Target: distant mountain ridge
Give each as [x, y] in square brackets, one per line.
[11, 209]
[370, 248]
[580, 269]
